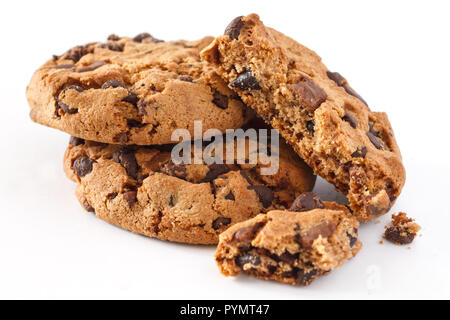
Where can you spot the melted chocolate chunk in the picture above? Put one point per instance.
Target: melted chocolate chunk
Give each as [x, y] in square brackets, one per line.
[246, 234]
[360, 153]
[245, 81]
[185, 78]
[220, 100]
[377, 143]
[74, 141]
[234, 28]
[130, 197]
[351, 119]
[83, 166]
[121, 138]
[230, 196]
[91, 67]
[305, 202]
[215, 170]
[220, 222]
[76, 53]
[126, 158]
[113, 84]
[248, 258]
[264, 193]
[309, 94]
[306, 237]
[342, 82]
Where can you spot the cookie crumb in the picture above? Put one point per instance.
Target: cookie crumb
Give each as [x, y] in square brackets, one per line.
[381, 242]
[403, 230]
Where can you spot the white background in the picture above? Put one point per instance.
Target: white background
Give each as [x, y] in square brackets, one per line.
[395, 54]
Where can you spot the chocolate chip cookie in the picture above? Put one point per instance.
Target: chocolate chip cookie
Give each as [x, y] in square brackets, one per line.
[292, 247]
[132, 91]
[319, 114]
[141, 189]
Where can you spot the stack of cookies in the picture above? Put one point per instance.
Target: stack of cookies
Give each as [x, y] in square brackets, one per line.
[122, 100]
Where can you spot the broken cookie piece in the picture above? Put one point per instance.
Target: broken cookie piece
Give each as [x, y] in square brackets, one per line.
[403, 229]
[289, 247]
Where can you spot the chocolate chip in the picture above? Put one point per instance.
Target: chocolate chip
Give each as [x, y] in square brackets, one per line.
[175, 170]
[147, 37]
[142, 36]
[91, 67]
[88, 207]
[76, 53]
[76, 88]
[342, 82]
[113, 84]
[135, 123]
[142, 105]
[215, 170]
[220, 100]
[220, 222]
[305, 278]
[113, 46]
[246, 234]
[288, 257]
[248, 258]
[83, 166]
[234, 28]
[230, 196]
[131, 98]
[377, 143]
[265, 194]
[352, 240]
[171, 201]
[271, 269]
[245, 81]
[336, 77]
[121, 138]
[398, 236]
[126, 158]
[246, 177]
[305, 202]
[130, 197]
[74, 141]
[360, 153]
[66, 108]
[111, 196]
[113, 37]
[64, 66]
[351, 119]
[306, 237]
[309, 94]
[310, 126]
[185, 78]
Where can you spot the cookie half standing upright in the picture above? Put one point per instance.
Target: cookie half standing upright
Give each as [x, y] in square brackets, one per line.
[140, 189]
[132, 91]
[295, 246]
[316, 111]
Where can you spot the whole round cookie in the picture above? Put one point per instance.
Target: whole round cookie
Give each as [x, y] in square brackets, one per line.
[140, 189]
[132, 91]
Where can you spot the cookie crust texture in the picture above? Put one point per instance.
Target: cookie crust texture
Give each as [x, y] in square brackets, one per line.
[290, 247]
[318, 113]
[140, 189]
[133, 91]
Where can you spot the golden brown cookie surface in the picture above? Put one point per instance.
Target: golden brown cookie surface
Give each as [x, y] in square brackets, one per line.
[132, 91]
[140, 189]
